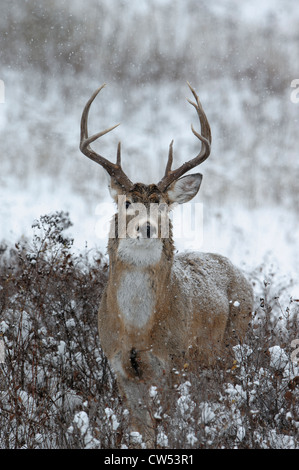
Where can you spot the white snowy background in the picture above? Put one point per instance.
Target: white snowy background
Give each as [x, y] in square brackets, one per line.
[241, 57]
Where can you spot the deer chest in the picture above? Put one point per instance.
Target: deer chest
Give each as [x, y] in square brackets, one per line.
[136, 298]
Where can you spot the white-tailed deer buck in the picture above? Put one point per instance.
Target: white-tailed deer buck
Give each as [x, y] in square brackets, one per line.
[161, 311]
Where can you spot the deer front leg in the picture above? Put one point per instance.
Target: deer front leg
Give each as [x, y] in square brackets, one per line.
[134, 379]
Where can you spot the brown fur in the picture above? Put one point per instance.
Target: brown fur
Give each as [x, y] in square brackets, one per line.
[193, 317]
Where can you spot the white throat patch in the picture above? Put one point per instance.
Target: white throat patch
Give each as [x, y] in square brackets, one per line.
[135, 298]
[140, 252]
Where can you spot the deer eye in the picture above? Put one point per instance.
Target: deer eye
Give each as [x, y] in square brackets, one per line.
[128, 203]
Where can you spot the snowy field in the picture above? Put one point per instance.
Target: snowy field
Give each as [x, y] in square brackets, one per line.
[241, 58]
[242, 72]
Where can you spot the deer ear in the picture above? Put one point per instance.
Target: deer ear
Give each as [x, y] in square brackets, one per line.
[115, 188]
[184, 189]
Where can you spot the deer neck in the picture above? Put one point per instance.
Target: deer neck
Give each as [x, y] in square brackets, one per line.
[138, 277]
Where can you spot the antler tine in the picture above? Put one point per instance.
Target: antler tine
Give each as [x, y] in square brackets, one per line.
[113, 169]
[205, 137]
[170, 159]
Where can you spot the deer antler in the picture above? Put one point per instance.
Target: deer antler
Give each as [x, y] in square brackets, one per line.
[206, 139]
[114, 169]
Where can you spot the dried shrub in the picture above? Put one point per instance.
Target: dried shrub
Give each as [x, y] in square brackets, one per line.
[57, 390]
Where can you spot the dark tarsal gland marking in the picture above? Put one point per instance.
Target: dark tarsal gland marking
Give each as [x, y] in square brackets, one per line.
[135, 362]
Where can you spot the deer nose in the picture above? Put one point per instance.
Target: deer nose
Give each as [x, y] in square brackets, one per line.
[146, 230]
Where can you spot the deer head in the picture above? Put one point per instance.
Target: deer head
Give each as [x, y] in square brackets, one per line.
[143, 210]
